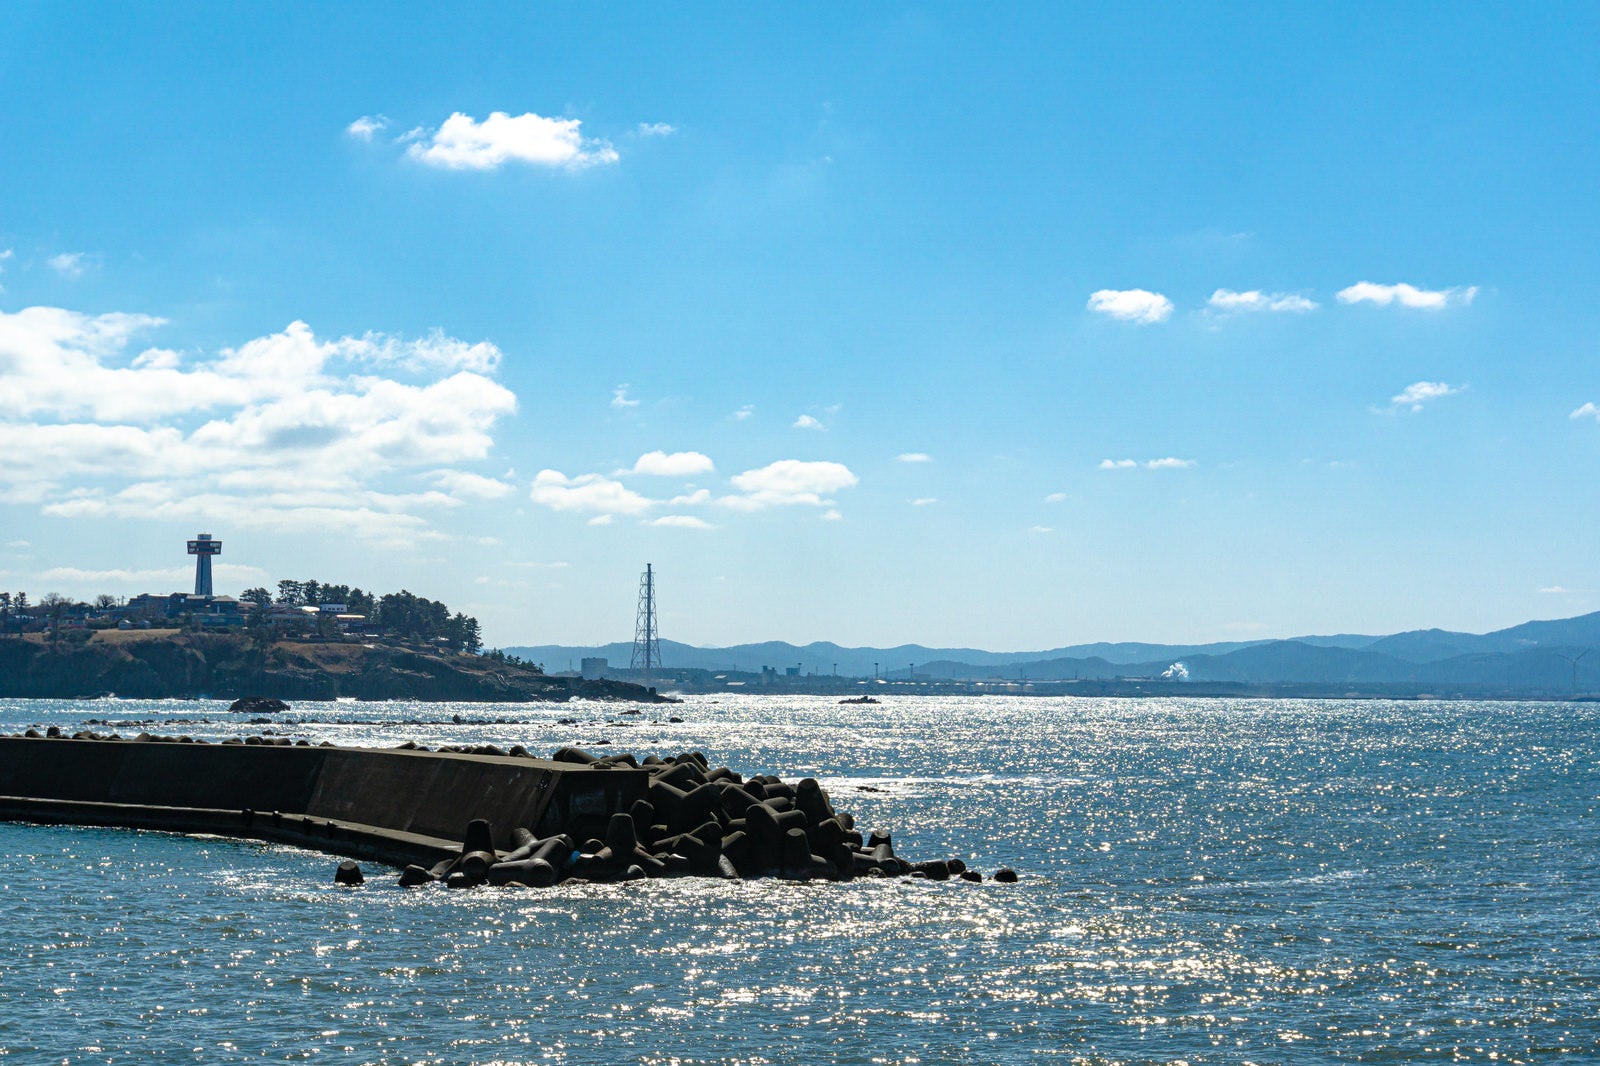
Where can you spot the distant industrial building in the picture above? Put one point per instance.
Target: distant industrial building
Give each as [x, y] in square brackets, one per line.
[593, 668]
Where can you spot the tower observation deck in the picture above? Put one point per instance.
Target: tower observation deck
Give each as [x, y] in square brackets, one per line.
[203, 548]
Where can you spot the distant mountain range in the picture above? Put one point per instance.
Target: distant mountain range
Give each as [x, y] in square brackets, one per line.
[1547, 656]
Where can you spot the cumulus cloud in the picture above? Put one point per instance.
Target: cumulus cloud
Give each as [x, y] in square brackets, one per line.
[587, 492]
[1555, 590]
[1131, 305]
[1041, 529]
[620, 400]
[463, 143]
[1056, 497]
[1230, 302]
[293, 429]
[1422, 392]
[745, 413]
[1588, 410]
[366, 127]
[1405, 295]
[70, 265]
[924, 501]
[678, 464]
[789, 482]
[914, 457]
[807, 422]
[1167, 463]
[464, 485]
[656, 129]
[833, 514]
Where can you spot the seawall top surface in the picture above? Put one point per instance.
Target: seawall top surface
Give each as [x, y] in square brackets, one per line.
[423, 792]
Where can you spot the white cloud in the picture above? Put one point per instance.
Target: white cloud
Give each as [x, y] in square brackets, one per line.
[5, 254]
[1041, 529]
[1421, 392]
[1555, 590]
[1167, 463]
[788, 482]
[680, 521]
[1588, 410]
[1406, 295]
[173, 576]
[588, 492]
[70, 265]
[363, 128]
[599, 520]
[832, 515]
[678, 464]
[1131, 305]
[745, 413]
[431, 354]
[463, 485]
[260, 430]
[1056, 497]
[924, 501]
[463, 143]
[807, 422]
[692, 499]
[619, 398]
[1228, 301]
[656, 129]
[914, 457]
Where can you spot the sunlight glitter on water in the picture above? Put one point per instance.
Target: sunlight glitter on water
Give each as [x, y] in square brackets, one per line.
[1205, 881]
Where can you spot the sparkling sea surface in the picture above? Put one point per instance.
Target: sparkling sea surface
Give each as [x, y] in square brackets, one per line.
[1203, 881]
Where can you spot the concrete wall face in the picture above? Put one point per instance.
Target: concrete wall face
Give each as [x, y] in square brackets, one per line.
[428, 794]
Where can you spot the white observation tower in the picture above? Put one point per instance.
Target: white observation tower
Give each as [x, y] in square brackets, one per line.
[203, 548]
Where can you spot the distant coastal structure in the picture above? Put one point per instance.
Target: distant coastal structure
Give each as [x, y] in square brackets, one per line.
[203, 548]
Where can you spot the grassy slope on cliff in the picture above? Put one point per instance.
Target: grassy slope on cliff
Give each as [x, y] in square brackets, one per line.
[154, 664]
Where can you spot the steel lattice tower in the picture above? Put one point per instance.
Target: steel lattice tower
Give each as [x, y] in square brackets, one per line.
[646, 640]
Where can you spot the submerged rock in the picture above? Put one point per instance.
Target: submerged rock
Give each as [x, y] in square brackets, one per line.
[258, 705]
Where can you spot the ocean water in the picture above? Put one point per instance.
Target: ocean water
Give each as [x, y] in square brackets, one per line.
[1203, 881]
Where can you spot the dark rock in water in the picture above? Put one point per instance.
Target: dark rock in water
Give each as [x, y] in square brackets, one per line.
[349, 873]
[971, 875]
[258, 705]
[1006, 876]
[412, 876]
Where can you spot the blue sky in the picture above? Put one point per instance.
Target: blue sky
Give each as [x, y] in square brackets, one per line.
[929, 323]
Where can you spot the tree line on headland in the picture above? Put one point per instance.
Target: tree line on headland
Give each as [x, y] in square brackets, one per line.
[402, 614]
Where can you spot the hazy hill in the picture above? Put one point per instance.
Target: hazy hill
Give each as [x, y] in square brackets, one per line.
[1534, 655]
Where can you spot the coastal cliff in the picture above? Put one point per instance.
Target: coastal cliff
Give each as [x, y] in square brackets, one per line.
[160, 664]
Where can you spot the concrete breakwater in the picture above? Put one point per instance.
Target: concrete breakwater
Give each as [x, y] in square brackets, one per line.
[462, 815]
